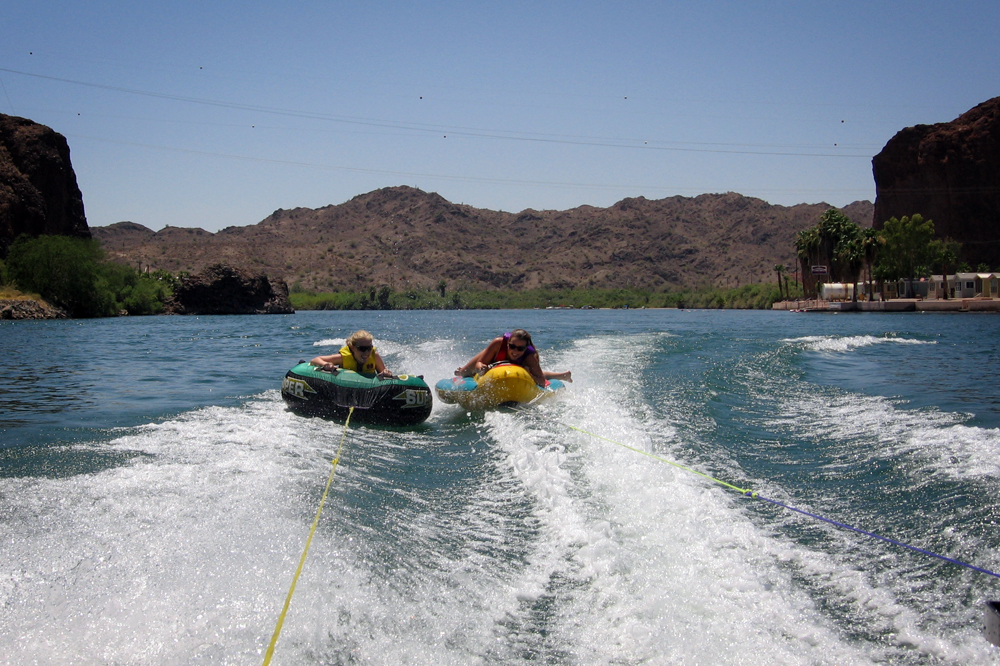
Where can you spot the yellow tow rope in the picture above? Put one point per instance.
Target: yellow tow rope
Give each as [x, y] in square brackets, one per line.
[742, 491]
[305, 551]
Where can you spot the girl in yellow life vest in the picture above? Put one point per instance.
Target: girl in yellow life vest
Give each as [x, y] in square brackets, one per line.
[358, 354]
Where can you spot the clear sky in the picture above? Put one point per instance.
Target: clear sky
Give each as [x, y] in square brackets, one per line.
[213, 114]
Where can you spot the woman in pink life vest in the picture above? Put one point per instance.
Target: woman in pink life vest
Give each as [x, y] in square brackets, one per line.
[514, 347]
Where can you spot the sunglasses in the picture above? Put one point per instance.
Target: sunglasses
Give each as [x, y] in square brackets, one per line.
[519, 348]
[363, 348]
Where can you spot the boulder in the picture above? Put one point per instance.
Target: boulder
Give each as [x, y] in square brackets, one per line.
[222, 289]
[38, 189]
[948, 173]
[17, 308]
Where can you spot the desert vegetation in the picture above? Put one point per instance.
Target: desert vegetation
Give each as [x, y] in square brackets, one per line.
[751, 296]
[73, 274]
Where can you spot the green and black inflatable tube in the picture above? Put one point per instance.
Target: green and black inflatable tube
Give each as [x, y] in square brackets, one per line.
[403, 400]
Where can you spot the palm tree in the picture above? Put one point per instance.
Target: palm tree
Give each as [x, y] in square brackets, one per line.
[779, 269]
[871, 241]
[947, 256]
[807, 244]
[830, 229]
[850, 254]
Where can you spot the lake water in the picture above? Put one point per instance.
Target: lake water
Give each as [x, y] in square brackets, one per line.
[155, 495]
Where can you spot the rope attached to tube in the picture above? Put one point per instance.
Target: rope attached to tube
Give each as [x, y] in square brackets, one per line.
[746, 492]
[305, 551]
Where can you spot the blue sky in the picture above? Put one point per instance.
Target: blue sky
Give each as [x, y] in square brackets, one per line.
[215, 114]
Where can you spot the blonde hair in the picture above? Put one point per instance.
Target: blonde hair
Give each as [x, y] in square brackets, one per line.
[359, 335]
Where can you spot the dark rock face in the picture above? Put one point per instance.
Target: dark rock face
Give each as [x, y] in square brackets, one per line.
[38, 190]
[222, 289]
[29, 309]
[949, 173]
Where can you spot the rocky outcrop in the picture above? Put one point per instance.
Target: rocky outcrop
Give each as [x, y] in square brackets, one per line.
[222, 289]
[14, 308]
[38, 189]
[948, 173]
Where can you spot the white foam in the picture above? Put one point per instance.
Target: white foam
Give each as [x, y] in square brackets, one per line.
[667, 555]
[173, 554]
[568, 549]
[661, 556]
[186, 554]
[874, 427]
[842, 343]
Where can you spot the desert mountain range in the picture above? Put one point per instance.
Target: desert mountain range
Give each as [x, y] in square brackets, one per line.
[406, 238]
[410, 239]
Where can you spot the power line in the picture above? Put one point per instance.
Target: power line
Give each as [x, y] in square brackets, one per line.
[437, 176]
[612, 142]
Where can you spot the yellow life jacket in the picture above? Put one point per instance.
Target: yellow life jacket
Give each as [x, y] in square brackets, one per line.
[348, 362]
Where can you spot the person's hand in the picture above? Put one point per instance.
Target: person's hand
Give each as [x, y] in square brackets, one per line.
[385, 374]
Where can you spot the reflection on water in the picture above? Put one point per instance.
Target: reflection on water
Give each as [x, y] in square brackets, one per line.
[45, 391]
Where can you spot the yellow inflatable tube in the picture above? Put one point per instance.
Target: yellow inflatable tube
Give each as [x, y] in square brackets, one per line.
[501, 384]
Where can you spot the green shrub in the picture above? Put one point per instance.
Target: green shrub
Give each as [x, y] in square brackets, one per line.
[64, 270]
[73, 274]
[135, 292]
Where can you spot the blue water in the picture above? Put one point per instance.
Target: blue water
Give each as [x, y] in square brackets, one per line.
[155, 495]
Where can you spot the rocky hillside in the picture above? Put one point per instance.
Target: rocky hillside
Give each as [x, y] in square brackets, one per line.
[948, 173]
[406, 238]
[38, 189]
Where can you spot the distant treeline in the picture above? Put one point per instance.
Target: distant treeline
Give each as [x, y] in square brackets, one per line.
[752, 296]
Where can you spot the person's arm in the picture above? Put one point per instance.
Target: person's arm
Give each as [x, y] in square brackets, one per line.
[380, 366]
[532, 365]
[328, 362]
[566, 376]
[481, 360]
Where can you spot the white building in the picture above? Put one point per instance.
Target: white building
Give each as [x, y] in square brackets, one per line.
[960, 285]
[965, 285]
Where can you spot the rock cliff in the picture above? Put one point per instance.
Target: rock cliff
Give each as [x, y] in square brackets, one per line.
[222, 289]
[949, 173]
[38, 189]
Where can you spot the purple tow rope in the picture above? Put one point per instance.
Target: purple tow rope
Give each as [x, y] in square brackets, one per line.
[752, 494]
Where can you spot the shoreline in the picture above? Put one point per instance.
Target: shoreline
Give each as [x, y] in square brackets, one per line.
[32, 309]
[893, 305]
